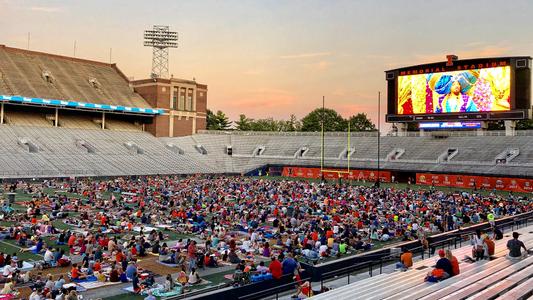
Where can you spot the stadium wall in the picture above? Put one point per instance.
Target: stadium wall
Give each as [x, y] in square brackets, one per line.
[514, 184]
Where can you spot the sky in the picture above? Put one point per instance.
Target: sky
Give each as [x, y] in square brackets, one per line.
[275, 58]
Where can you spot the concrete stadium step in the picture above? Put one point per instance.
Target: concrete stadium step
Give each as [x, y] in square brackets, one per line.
[466, 250]
[425, 288]
[418, 283]
[470, 285]
[468, 270]
[522, 291]
[409, 283]
[504, 285]
[356, 290]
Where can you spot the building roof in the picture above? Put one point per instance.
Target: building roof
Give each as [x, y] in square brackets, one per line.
[168, 81]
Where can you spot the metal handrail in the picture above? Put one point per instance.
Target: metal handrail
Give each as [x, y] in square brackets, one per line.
[269, 291]
[367, 133]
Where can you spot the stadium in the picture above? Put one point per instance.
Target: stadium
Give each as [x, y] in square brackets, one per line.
[114, 188]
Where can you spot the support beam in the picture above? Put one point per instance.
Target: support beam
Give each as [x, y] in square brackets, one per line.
[2, 114]
[510, 126]
[484, 127]
[103, 120]
[56, 119]
[171, 124]
[401, 129]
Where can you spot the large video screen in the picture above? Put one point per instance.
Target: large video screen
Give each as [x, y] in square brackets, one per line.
[477, 90]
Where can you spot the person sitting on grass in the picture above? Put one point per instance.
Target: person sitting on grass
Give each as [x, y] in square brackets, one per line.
[182, 277]
[114, 275]
[136, 284]
[76, 273]
[172, 259]
[169, 283]
[131, 269]
[9, 269]
[9, 288]
[194, 277]
[35, 249]
[211, 261]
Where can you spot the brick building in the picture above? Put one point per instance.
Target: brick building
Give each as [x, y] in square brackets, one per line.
[185, 100]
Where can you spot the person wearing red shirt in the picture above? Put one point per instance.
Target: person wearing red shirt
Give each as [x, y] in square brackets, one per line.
[275, 268]
[119, 257]
[71, 240]
[191, 254]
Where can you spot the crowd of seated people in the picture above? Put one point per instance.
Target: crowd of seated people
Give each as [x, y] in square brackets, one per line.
[234, 220]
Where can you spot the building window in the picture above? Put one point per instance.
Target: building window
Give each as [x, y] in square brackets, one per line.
[175, 98]
[181, 103]
[190, 100]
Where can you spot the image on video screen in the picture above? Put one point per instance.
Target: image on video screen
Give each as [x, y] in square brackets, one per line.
[478, 90]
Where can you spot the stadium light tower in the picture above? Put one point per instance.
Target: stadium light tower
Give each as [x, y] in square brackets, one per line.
[160, 38]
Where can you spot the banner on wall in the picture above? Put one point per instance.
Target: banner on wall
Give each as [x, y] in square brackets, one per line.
[468, 181]
[367, 175]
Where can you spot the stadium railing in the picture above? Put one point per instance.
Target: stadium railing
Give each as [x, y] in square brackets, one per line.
[289, 133]
[367, 133]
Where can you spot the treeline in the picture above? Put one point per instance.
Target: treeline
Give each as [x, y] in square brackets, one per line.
[333, 121]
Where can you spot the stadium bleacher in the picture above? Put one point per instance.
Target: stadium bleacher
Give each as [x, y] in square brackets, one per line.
[499, 277]
[25, 73]
[59, 153]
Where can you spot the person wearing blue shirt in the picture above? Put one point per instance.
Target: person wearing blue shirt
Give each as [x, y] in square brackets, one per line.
[289, 265]
[131, 270]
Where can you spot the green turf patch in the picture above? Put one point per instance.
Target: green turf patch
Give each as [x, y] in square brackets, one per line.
[10, 247]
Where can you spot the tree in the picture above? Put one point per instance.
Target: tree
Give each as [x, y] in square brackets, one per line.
[293, 124]
[412, 127]
[218, 121]
[244, 124]
[360, 122]
[524, 124]
[210, 120]
[332, 120]
[496, 125]
[266, 125]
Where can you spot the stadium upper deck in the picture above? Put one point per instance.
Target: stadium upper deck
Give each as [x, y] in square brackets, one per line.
[43, 75]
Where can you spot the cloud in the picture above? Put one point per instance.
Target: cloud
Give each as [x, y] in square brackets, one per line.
[306, 55]
[319, 66]
[263, 101]
[46, 9]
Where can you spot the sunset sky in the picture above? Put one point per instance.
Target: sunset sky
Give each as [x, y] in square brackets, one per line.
[276, 58]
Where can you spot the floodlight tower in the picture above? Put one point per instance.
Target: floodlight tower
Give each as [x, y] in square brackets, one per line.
[160, 38]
